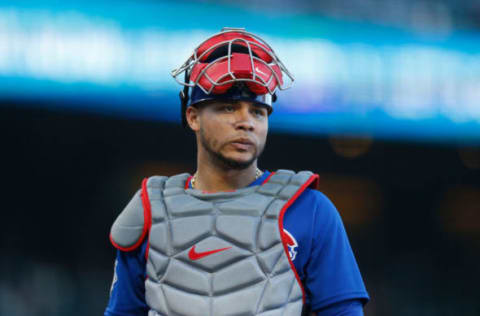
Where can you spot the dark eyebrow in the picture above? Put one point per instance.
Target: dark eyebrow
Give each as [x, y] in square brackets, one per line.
[258, 106]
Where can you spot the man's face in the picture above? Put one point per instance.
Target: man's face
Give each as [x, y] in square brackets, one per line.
[232, 133]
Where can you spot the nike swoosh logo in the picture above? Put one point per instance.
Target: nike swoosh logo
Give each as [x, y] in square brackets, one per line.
[193, 255]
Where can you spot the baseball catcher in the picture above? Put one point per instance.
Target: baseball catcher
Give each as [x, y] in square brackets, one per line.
[232, 239]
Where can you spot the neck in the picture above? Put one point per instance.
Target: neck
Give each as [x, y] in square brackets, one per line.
[214, 178]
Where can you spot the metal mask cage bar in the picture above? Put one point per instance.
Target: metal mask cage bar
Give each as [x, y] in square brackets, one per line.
[193, 60]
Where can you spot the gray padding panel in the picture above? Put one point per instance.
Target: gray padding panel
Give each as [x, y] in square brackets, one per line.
[183, 277]
[277, 292]
[155, 187]
[190, 230]
[301, 177]
[269, 189]
[186, 205]
[128, 227]
[281, 176]
[253, 204]
[268, 259]
[185, 303]
[239, 229]
[177, 181]
[242, 302]
[156, 300]
[242, 274]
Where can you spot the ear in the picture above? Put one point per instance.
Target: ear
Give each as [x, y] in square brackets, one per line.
[192, 115]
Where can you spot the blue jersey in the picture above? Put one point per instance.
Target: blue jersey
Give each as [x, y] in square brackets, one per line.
[318, 247]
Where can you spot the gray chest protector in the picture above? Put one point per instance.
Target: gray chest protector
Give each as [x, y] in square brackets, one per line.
[215, 254]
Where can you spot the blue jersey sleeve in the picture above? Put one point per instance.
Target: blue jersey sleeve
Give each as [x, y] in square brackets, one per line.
[344, 308]
[332, 273]
[127, 295]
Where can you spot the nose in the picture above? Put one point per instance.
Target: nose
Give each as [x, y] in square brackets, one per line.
[244, 120]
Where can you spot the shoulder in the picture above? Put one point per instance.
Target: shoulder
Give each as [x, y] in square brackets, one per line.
[316, 196]
[317, 202]
[315, 210]
[312, 215]
[130, 226]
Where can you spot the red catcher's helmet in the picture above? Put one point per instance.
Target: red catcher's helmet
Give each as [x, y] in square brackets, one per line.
[234, 65]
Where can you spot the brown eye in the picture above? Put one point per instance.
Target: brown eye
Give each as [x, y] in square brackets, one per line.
[259, 112]
[227, 108]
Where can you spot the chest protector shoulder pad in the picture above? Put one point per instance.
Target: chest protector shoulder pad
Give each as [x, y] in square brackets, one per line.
[215, 254]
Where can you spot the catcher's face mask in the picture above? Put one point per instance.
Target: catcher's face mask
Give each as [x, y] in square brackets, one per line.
[232, 65]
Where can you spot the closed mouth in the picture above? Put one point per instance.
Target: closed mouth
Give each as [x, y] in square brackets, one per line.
[243, 141]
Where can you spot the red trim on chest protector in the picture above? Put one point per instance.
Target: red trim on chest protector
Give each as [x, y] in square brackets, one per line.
[187, 183]
[268, 178]
[147, 211]
[313, 183]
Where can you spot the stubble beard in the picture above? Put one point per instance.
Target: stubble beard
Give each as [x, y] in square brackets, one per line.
[225, 162]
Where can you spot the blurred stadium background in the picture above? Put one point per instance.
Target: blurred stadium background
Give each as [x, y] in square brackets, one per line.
[385, 108]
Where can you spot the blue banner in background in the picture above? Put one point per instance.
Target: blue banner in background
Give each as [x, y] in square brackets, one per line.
[354, 78]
